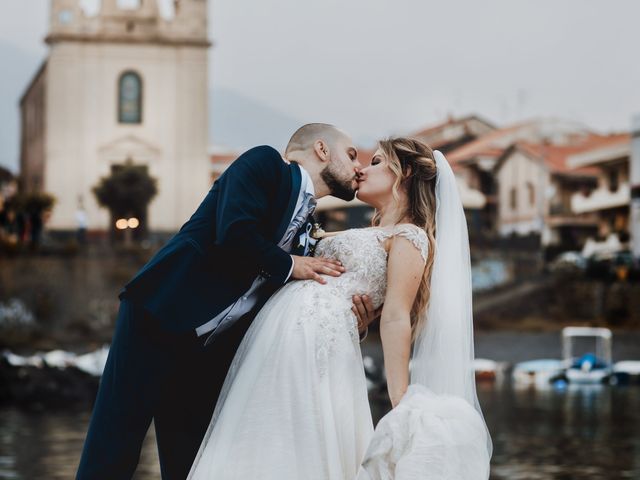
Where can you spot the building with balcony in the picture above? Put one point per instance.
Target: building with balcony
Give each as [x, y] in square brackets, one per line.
[610, 199]
[476, 161]
[536, 188]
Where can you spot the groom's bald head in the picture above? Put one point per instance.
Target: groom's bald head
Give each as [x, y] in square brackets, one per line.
[305, 137]
[329, 156]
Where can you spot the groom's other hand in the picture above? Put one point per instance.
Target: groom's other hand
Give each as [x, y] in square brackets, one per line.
[310, 268]
[364, 311]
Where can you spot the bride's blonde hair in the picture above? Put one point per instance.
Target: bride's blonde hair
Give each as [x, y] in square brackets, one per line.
[414, 166]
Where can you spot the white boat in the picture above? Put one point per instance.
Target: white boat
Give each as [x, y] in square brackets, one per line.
[593, 366]
[538, 373]
[626, 372]
[486, 370]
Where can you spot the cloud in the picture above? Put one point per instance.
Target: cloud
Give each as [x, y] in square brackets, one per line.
[375, 67]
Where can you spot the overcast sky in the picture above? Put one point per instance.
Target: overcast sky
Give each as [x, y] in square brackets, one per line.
[376, 67]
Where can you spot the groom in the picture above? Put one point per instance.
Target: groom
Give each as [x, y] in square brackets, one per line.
[185, 312]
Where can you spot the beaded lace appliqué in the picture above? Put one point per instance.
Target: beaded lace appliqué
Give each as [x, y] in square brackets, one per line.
[415, 235]
[362, 253]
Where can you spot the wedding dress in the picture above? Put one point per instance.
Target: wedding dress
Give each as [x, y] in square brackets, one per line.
[294, 404]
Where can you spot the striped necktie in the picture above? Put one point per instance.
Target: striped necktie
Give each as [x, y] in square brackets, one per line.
[306, 208]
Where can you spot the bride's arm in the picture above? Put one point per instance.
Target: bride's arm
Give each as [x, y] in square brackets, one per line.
[404, 273]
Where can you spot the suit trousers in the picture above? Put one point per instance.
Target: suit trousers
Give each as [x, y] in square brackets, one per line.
[152, 374]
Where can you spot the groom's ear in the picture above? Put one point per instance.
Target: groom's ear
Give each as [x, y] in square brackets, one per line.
[321, 148]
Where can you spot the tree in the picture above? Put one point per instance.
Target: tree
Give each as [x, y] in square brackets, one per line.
[37, 203]
[29, 211]
[127, 192]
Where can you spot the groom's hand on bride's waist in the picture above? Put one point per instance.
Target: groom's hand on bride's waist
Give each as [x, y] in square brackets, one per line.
[310, 268]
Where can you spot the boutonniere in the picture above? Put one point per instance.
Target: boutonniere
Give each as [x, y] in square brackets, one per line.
[317, 233]
[306, 240]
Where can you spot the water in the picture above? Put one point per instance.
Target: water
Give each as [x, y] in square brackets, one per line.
[587, 433]
[47, 445]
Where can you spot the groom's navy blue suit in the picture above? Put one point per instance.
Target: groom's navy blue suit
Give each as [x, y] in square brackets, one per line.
[157, 367]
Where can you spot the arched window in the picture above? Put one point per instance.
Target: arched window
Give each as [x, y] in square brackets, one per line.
[130, 98]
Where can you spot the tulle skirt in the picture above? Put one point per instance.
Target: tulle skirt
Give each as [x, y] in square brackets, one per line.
[294, 404]
[428, 436]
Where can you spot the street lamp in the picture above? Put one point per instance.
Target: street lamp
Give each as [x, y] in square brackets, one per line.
[128, 225]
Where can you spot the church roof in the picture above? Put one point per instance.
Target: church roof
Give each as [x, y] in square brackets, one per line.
[36, 76]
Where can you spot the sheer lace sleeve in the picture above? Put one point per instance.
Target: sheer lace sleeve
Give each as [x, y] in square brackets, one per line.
[416, 235]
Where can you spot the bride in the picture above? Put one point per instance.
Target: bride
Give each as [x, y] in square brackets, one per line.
[294, 404]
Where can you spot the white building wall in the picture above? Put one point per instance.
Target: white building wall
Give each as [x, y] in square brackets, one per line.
[516, 172]
[84, 138]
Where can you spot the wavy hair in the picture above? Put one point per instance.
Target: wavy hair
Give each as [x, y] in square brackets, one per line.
[414, 166]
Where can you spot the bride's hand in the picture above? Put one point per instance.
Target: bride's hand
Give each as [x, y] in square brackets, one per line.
[310, 268]
[364, 311]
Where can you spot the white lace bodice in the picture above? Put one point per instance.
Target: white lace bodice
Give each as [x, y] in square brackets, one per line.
[362, 253]
[364, 257]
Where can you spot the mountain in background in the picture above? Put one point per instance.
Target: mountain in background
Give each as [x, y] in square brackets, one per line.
[239, 122]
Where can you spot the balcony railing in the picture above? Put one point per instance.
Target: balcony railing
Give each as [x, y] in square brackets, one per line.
[576, 220]
[601, 199]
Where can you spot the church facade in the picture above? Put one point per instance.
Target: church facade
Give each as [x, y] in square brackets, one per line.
[123, 85]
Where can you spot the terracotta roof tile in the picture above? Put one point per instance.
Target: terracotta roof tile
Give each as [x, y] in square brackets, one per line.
[485, 145]
[555, 156]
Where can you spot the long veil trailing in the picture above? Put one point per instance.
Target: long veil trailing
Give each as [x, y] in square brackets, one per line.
[437, 431]
[443, 353]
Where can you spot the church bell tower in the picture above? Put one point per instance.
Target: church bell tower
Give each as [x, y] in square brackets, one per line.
[124, 84]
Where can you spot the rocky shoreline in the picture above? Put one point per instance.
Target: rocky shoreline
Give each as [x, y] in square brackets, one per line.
[55, 379]
[63, 380]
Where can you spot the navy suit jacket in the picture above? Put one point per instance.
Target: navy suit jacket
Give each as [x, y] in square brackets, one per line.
[230, 240]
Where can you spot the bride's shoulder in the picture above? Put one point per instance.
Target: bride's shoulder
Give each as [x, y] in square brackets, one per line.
[416, 235]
